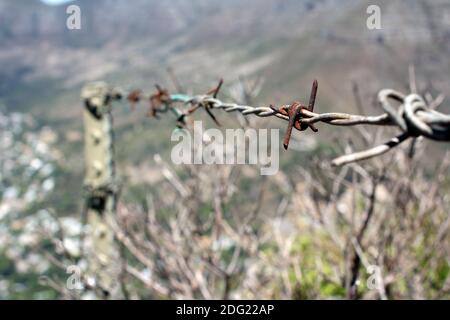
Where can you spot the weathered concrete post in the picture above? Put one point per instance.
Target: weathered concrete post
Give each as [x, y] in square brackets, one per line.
[101, 190]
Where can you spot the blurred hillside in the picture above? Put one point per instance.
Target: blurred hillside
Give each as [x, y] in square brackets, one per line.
[43, 66]
[289, 43]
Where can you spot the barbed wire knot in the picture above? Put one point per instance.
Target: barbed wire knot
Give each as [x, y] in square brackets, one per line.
[414, 117]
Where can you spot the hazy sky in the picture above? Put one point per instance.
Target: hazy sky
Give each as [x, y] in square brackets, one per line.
[55, 1]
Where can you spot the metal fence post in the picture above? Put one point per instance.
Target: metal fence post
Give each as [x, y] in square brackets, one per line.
[101, 190]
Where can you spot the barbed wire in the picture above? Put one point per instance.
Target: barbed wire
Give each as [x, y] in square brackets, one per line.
[412, 116]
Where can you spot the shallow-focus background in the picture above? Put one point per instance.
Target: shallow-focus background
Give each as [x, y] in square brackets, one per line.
[287, 44]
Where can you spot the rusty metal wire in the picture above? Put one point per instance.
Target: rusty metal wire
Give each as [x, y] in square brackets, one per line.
[412, 116]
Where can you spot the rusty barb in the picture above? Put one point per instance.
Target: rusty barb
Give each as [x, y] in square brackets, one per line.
[206, 104]
[414, 117]
[294, 113]
[160, 98]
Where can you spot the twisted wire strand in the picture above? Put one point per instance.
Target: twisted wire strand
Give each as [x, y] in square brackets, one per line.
[413, 117]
